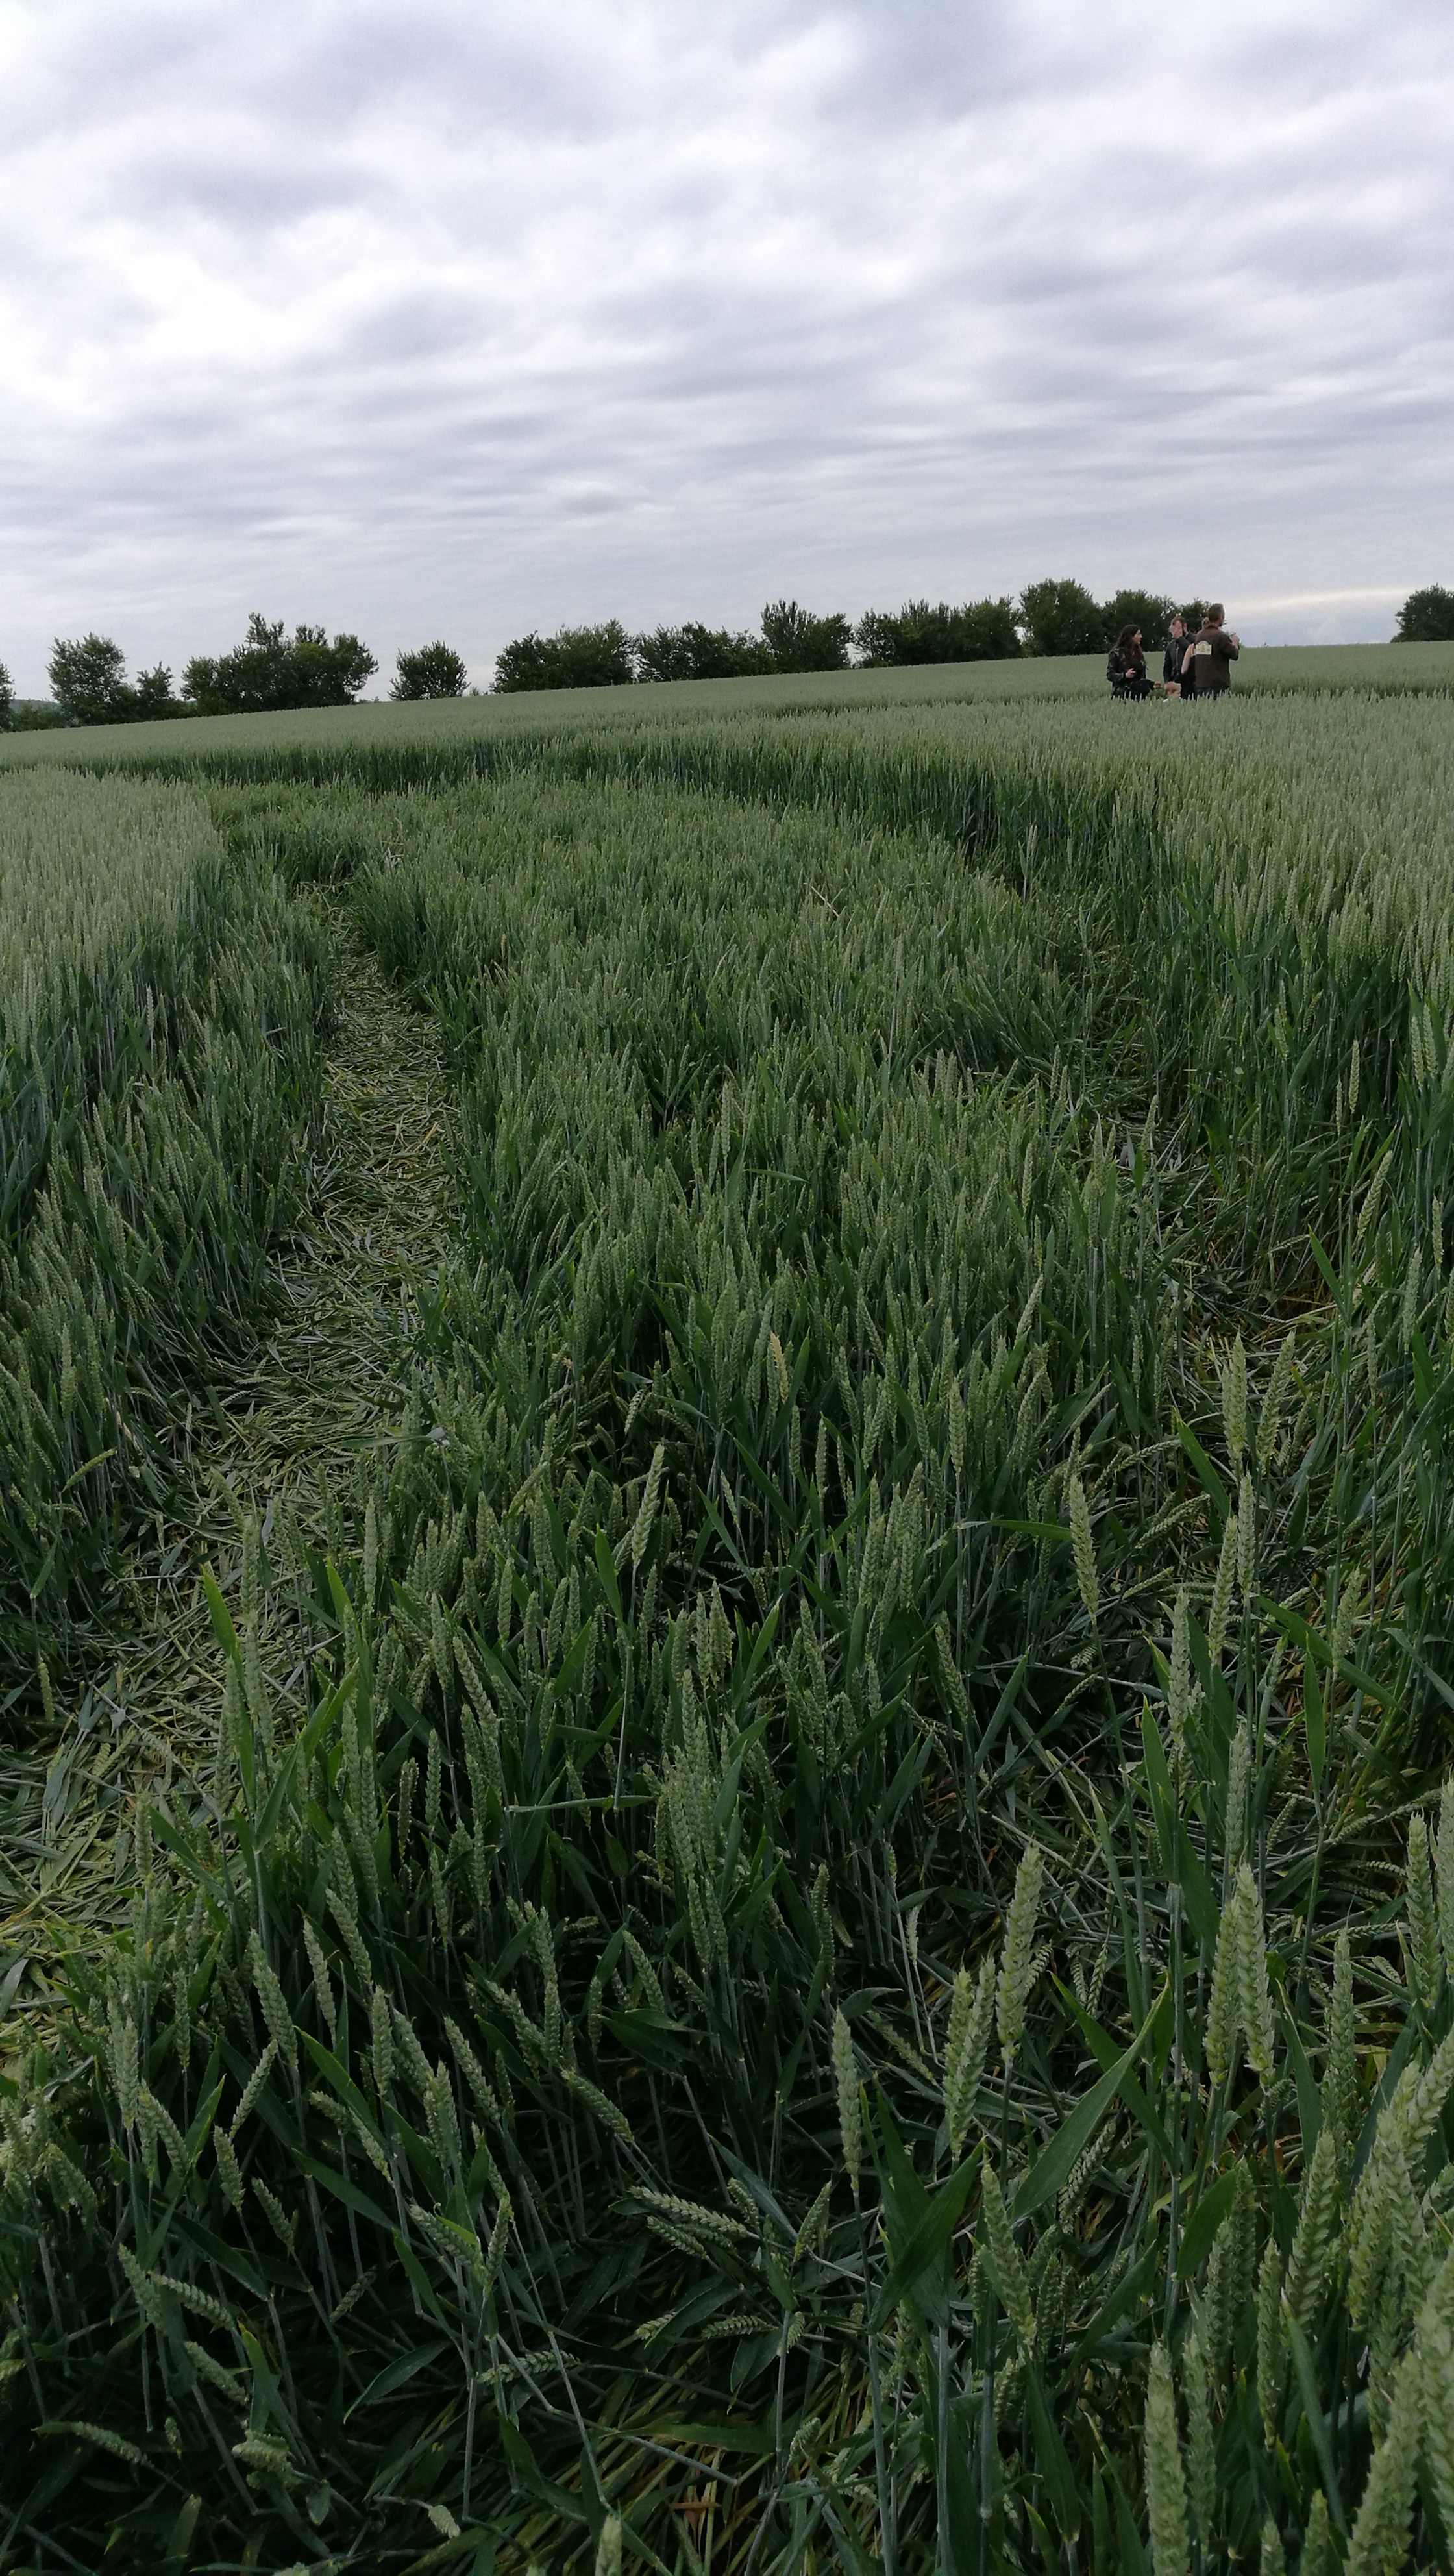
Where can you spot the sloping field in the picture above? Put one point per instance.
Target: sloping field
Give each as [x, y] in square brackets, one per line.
[786, 1904]
[1324, 669]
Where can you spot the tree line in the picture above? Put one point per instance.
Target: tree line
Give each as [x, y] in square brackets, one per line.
[271, 670]
[1048, 617]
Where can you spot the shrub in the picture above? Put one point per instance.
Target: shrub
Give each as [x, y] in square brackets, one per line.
[575, 657]
[268, 672]
[88, 676]
[1061, 617]
[983, 630]
[1427, 616]
[696, 652]
[35, 715]
[798, 641]
[1144, 608]
[151, 696]
[435, 671]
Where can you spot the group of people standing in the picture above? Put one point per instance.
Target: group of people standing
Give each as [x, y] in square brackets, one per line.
[1192, 666]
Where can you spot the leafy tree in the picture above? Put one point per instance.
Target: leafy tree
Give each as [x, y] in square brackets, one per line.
[696, 652]
[88, 679]
[435, 671]
[799, 641]
[879, 637]
[1144, 608]
[1427, 616]
[7, 696]
[577, 657]
[983, 630]
[152, 695]
[1061, 617]
[268, 672]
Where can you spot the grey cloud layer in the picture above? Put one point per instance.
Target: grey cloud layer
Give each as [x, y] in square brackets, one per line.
[451, 319]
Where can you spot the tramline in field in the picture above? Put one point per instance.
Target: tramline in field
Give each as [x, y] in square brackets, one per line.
[816, 1926]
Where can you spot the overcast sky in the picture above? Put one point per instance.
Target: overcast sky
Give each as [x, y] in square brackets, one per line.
[460, 319]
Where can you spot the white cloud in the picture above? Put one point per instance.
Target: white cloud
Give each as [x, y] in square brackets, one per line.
[454, 320]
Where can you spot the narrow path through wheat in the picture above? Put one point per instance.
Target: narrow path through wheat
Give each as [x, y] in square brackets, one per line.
[283, 1425]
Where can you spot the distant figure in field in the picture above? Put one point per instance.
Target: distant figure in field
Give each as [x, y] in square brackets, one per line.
[1206, 665]
[1126, 665]
[1176, 644]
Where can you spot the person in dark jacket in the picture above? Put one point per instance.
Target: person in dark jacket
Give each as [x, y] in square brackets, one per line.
[1126, 665]
[1206, 665]
[1176, 644]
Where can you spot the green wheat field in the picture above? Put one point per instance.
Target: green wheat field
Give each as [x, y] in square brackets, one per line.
[726, 1543]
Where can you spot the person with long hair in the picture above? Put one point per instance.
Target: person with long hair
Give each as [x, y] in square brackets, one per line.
[1126, 665]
